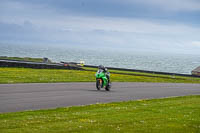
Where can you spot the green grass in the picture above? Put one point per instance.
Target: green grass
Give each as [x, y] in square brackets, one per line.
[28, 75]
[169, 115]
[22, 59]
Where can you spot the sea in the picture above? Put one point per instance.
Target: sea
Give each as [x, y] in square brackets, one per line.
[141, 60]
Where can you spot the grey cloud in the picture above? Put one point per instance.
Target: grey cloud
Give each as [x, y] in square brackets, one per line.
[168, 5]
[55, 22]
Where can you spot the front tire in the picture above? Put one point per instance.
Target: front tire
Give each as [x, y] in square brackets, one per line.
[98, 85]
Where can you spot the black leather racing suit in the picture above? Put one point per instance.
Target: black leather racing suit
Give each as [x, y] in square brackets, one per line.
[107, 74]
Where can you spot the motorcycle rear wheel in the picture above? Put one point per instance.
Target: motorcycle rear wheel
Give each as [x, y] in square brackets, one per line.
[108, 87]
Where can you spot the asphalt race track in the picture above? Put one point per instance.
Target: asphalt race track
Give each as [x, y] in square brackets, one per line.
[20, 97]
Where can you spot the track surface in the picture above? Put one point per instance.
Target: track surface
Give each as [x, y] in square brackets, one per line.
[19, 97]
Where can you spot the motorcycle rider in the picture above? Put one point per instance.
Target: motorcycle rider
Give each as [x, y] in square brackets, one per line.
[105, 70]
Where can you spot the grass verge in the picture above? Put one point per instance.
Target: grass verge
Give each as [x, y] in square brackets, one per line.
[177, 115]
[28, 75]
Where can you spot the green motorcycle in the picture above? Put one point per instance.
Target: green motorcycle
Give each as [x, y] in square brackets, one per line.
[102, 80]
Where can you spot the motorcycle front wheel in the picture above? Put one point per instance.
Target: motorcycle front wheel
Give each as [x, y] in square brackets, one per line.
[98, 84]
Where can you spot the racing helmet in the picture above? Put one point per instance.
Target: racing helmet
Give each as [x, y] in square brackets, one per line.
[101, 67]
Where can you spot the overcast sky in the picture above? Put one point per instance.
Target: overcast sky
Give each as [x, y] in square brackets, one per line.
[165, 25]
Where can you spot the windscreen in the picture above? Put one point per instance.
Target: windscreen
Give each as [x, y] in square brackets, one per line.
[100, 71]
